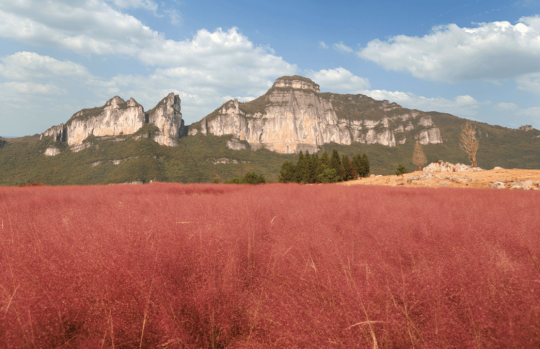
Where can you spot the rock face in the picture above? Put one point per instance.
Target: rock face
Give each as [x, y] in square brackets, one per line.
[118, 117]
[294, 116]
[167, 117]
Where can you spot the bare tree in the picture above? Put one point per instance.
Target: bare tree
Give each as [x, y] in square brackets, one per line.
[468, 142]
[419, 158]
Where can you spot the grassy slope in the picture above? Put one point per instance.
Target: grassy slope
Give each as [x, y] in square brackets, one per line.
[144, 160]
[191, 161]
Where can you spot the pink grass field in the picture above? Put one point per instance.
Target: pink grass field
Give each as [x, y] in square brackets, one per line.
[284, 266]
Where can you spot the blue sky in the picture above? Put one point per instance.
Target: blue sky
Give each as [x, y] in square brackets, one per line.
[474, 59]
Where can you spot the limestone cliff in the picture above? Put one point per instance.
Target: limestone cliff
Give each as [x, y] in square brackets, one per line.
[167, 117]
[293, 116]
[118, 117]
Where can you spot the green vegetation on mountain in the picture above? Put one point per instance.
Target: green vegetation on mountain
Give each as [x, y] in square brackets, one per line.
[195, 159]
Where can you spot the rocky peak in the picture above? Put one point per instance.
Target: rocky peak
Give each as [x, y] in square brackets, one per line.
[296, 82]
[115, 101]
[294, 116]
[118, 117]
[167, 117]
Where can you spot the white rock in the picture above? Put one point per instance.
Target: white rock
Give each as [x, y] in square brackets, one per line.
[298, 118]
[235, 144]
[51, 151]
[497, 185]
[443, 166]
[421, 177]
[523, 185]
[78, 147]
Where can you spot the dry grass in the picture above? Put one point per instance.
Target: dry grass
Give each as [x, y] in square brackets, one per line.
[484, 179]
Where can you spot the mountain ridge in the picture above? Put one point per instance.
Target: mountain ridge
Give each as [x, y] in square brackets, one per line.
[134, 145]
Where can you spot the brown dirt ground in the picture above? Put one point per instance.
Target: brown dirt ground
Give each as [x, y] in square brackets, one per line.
[484, 179]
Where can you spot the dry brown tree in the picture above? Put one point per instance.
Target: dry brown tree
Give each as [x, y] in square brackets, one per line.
[468, 142]
[419, 158]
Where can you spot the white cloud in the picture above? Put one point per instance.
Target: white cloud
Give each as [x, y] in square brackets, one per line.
[513, 109]
[146, 4]
[86, 27]
[459, 106]
[205, 68]
[342, 47]
[504, 106]
[30, 65]
[322, 45]
[30, 88]
[529, 83]
[490, 51]
[338, 80]
[174, 16]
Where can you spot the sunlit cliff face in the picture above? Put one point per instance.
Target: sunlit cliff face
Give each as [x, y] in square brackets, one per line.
[297, 117]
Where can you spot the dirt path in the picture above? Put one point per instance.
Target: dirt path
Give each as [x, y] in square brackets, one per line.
[483, 179]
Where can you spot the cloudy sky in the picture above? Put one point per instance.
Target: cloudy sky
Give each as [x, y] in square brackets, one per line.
[477, 59]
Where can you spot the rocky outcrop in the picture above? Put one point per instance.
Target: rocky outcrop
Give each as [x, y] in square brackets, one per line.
[168, 119]
[443, 166]
[526, 128]
[294, 116]
[51, 151]
[118, 117]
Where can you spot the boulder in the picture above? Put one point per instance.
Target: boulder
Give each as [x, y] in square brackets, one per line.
[522, 185]
[497, 185]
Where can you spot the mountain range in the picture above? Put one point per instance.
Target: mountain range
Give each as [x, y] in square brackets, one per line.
[121, 142]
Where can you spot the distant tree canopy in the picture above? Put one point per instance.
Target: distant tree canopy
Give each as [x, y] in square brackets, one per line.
[249, 178]
[326, 169]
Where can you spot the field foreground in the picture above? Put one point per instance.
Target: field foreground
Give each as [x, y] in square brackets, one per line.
[287, 266]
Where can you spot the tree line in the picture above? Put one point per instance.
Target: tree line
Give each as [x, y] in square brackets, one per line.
[326, 169]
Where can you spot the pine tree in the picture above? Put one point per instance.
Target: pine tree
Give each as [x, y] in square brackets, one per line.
[317, 168]
[287, 174]
[401, 170]
[357, 165]
[367, 168]
[307, 168]
[325, 159]
[348, 171]
[300, 168]
[335, 162]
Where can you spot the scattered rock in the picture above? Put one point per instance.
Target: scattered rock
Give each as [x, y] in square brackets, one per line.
[378, 175]
[116, 162]
[443, 166]
[227, 161]
[421, 177]
[497, 185]
[51, 151]
[522, 185]
[498, 168]
[444, 183]
[372, 175]
[77, 148]
[94, 164]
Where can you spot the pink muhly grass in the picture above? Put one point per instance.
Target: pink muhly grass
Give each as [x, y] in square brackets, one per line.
[229, 266]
